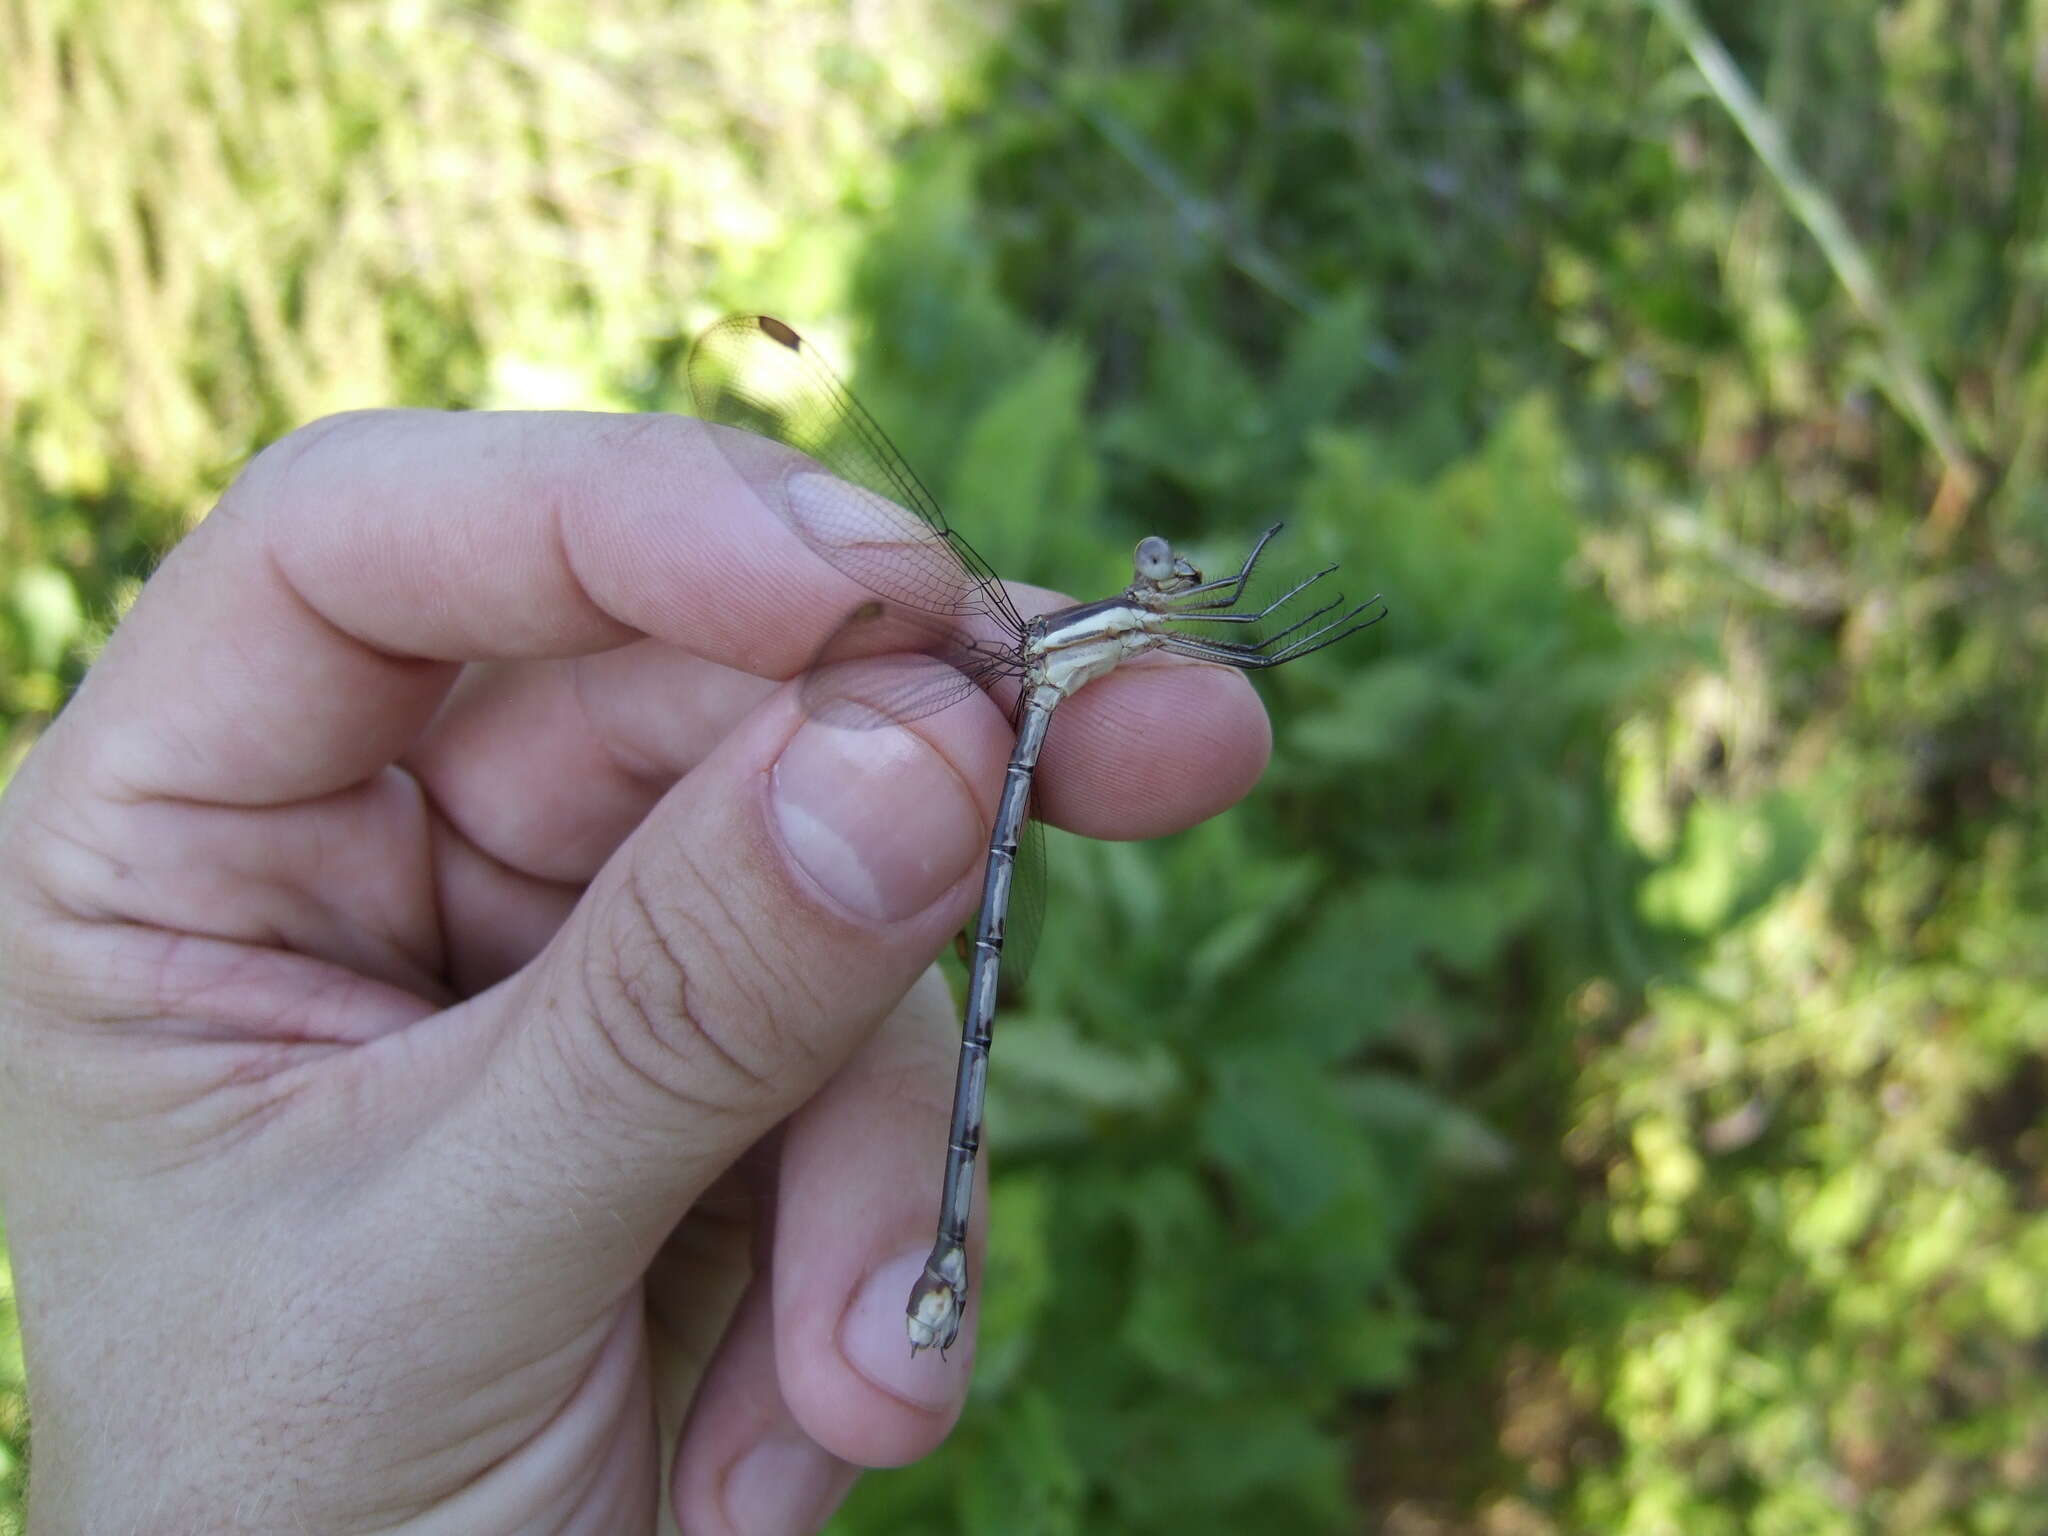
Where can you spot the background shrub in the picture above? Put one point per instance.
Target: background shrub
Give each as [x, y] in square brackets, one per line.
[1595, 1083]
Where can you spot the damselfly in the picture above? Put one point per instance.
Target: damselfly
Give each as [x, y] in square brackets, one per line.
[917, 650]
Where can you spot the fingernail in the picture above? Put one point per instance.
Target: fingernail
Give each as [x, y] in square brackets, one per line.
[825, 504]
[871, 1337]
[785, 1486]
[877, 818]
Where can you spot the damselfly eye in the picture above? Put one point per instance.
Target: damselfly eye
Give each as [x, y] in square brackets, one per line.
[1154, 559]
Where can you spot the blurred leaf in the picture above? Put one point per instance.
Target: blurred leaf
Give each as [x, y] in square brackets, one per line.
[1026, 1482]
[1380, 711]
[1274, 1123]
[1401, 1112]
[1050, 1056]
[1270, 897]
[45, 604]
[1330, 354]
[1195, 424]
[1017, 1278]
[1023, 464]
[1210, 1471]
[1732, 860]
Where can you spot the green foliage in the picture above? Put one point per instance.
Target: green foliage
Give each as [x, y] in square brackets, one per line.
[1594, 1082]
[13, 1409]
[1217, 1094]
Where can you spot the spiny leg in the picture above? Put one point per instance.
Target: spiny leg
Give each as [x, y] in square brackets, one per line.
[1201, 614]
[1278, 635]
[1235, 583]
[1330, 633]
[1259, 647]
[1248, 657]
[1269, 641]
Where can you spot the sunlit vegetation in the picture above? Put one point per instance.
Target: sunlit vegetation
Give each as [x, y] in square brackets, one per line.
[1595, 1083]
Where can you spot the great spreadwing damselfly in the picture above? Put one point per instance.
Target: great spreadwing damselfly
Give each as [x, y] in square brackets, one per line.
[943, 625]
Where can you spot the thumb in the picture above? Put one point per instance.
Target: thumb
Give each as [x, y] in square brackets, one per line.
[769, 913]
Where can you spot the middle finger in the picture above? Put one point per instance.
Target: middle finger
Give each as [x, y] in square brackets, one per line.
[539, 770]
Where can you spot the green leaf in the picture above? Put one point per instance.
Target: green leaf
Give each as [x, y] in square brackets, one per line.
[1329, 356]
[1274, 1124]
[1024, 469]
[1050, 1055]
[45, 604]
[1404, 1112]
[1380, 712]
[1733, 858]
[1228, 1467]
[1025, 1480]
[1017, 1278]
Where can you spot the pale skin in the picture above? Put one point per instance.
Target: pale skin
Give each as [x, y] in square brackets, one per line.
[469, 1057]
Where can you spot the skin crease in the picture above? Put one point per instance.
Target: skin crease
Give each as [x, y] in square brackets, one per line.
[445, 1082]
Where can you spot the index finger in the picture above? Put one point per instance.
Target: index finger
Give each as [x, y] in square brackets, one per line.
[307, 631]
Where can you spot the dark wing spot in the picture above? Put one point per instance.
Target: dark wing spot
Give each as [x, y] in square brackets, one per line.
[780, 332]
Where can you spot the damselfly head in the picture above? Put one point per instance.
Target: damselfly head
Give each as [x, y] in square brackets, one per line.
[1158, 567]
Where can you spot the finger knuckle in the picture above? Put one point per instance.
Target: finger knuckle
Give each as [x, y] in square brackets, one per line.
[279, 463]
[669, 1011]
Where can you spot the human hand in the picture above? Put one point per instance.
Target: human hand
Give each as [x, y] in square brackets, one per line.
[468, 1057]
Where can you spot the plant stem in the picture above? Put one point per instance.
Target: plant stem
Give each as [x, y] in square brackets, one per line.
[1910, 384]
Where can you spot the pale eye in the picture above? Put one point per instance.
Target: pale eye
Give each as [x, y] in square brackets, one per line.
[1154, 560]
